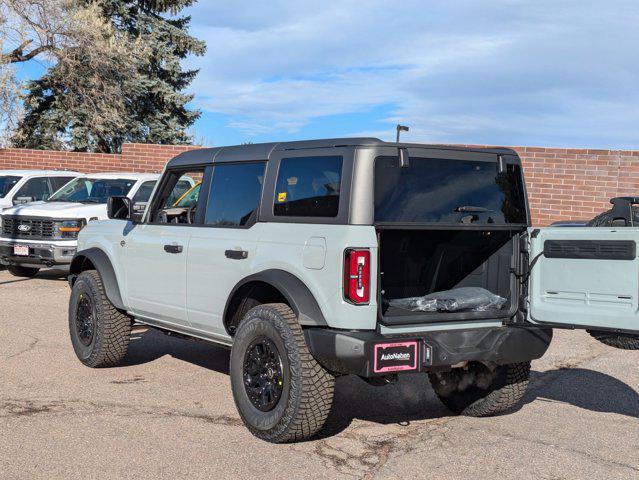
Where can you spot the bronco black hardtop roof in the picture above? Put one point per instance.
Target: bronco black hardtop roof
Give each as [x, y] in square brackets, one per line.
[263, 151]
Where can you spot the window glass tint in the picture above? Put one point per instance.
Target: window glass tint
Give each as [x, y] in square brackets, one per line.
[144, 192]
[308, 187]
[92, 190]
[451, 191]
[58, 182]
[235, 194]
[36, 189]
[7, 182]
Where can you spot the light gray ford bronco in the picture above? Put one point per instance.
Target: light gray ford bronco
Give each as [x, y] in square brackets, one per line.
[349, 256]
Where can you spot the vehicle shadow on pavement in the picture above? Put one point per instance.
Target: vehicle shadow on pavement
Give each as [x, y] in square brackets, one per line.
[583, 388]
[411, 398]
[152, 344]
[42, 275]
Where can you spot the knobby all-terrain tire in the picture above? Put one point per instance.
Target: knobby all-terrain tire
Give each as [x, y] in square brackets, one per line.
[504, 392]
[18, 271]
[307, 390]
[616, 340]
[111, 327]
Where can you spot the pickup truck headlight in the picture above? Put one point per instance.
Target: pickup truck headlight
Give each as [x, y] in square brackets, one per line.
[68, 228]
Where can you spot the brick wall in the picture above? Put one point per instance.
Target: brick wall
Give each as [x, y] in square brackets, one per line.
[135, 157]
[575, 184]
[563, 184]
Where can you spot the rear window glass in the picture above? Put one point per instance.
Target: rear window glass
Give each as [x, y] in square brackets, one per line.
[308, 186]
[448, 191]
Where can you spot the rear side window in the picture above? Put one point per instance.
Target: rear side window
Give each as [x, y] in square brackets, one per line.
[235, 193]
[308, 187]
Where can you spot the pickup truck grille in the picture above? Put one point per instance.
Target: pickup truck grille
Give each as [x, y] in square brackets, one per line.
[27, 227]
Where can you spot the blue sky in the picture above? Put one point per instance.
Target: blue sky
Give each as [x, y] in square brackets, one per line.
[504, 72]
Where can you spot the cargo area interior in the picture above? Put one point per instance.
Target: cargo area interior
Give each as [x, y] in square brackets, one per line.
[420, 262]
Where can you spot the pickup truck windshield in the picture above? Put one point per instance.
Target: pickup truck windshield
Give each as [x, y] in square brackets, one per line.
[7, 182]
[435, 190]
[92, 190]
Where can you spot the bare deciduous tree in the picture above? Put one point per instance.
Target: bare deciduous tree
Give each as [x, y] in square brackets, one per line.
[92, 60]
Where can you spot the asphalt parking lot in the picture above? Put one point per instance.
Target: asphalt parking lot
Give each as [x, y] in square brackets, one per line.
[169, 413]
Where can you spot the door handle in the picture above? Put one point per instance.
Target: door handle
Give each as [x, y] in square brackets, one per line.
[173, 248]
[236, 254]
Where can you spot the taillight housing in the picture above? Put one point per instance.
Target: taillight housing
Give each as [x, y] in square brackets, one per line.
[357, 275]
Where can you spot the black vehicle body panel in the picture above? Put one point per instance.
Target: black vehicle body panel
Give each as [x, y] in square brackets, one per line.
[102, 264]
[351, 352]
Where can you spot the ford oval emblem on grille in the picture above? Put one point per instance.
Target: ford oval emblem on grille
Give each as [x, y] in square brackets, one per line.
[24, 228]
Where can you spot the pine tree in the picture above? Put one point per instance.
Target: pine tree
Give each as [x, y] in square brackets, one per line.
[74, 105]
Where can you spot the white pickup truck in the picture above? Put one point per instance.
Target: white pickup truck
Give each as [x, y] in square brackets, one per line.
[44, 234]
[24, 186]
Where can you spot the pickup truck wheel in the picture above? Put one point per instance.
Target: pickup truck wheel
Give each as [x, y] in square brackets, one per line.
[477, 391]
[99, 332]
[617, 340]
[281, 392]
[18, 271]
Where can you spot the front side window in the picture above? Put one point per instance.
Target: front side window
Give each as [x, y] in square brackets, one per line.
[144, 192]
[448, 191]
[235, 194]
[92, 190]
[308, 187]
[7, 182]
[35, 189]
[175, 186]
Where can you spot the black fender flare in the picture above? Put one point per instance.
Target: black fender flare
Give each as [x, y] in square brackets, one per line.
[297, 294]
[102, 264]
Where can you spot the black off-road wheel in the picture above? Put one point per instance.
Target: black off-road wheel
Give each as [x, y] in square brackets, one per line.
[478, 391]
[100, 333]
[281, 392]
[616, 340]
[26, 272]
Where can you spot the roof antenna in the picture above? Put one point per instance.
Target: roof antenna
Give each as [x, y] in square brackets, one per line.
[404, 160]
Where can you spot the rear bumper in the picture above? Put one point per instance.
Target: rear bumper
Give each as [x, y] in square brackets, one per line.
[40, 254]
[356, 353]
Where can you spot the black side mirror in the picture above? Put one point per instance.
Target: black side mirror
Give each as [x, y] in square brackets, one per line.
[119, 208]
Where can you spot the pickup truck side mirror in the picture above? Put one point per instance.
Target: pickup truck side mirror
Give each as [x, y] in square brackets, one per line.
[119, 208]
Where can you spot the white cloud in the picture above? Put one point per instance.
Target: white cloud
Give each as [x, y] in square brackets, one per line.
[493, 71]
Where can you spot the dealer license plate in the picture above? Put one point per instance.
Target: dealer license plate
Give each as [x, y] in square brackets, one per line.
[21, 250]
[396, 357]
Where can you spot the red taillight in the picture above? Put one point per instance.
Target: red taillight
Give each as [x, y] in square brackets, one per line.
[357, 275]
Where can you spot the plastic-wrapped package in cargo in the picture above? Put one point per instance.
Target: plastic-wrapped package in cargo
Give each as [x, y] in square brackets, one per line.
[474, 299]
